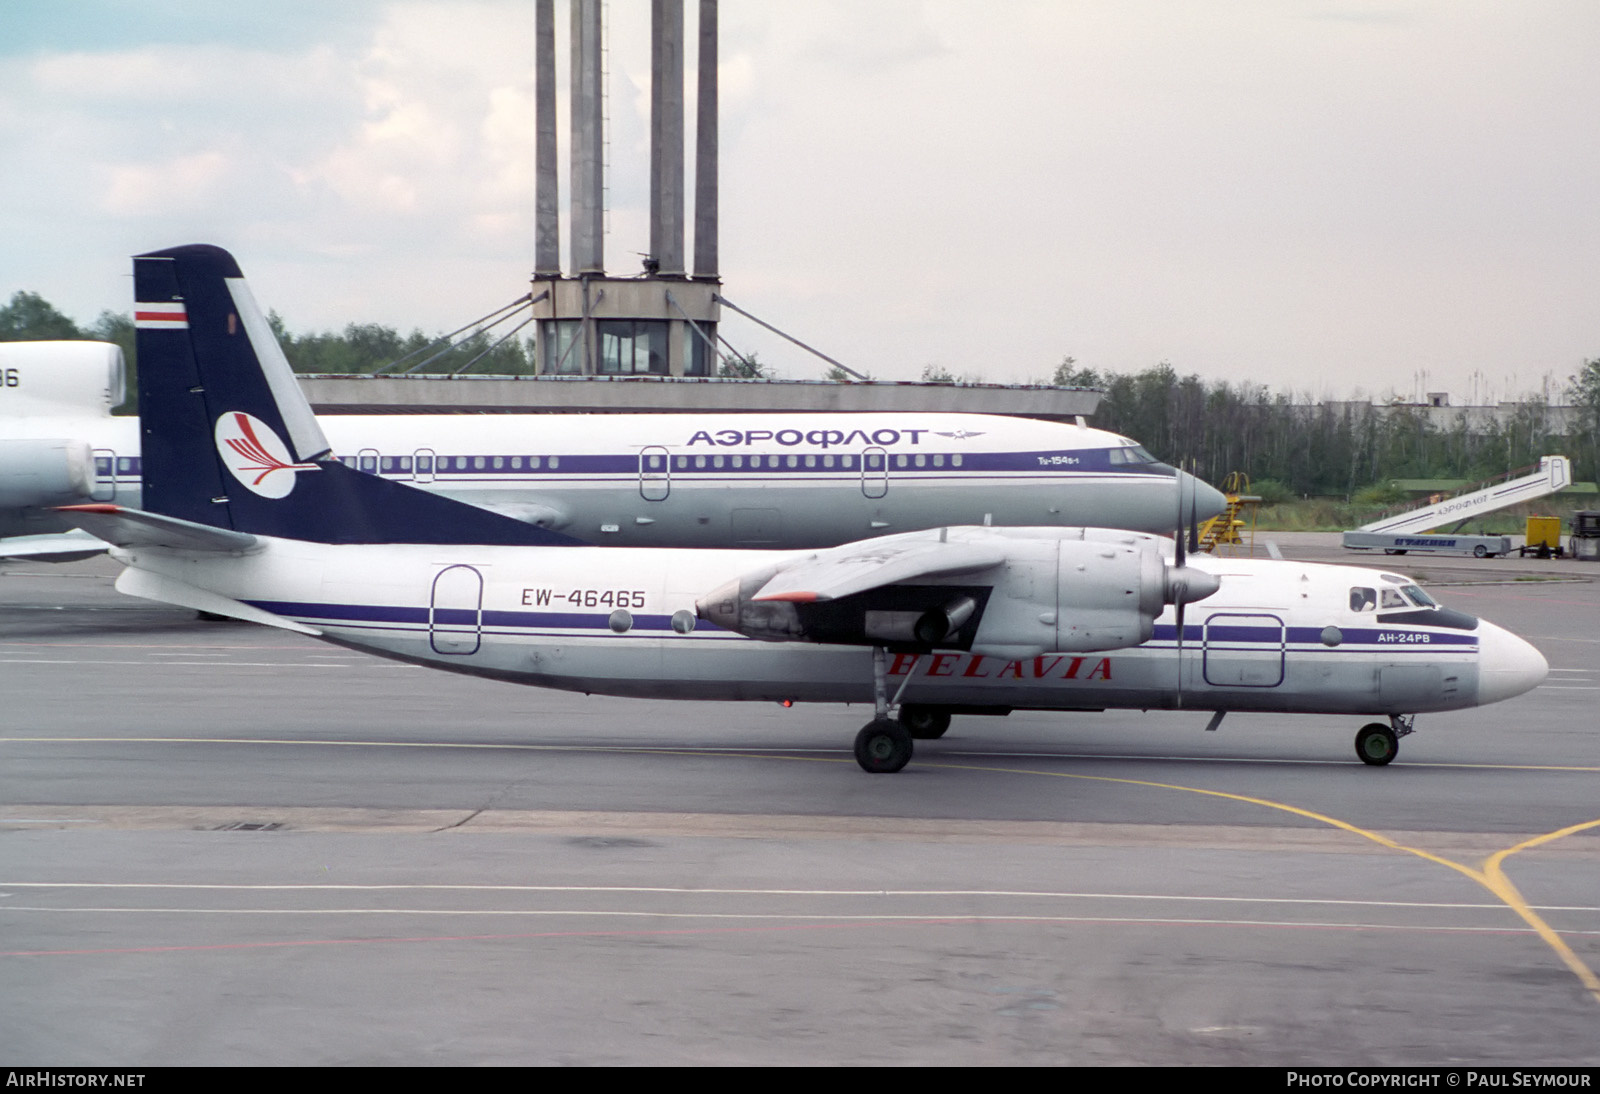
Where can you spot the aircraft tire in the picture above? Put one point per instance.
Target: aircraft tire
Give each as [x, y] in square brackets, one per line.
[924, 723]
[1376, 744]
[883, 746]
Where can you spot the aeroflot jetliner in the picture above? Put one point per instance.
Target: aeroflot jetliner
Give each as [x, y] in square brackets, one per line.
[250, 516]
[642, 480]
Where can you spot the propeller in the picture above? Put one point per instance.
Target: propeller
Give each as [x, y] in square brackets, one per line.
[1185, 584]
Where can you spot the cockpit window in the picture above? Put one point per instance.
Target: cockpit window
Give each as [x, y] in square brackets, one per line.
[1392, 599]
[1418, 597]
[1134, 453]
[1362, 599]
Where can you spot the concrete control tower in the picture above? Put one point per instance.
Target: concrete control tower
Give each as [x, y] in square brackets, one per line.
[660, 325]
[664, 322]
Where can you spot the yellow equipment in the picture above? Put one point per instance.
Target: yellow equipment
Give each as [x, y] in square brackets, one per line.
[1544, 535]
[1225, 527]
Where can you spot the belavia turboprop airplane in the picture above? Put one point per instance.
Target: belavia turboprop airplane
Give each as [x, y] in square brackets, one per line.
[633, 480]
[250, 517]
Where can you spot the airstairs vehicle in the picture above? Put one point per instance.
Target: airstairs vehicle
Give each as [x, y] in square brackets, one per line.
[1407, 532]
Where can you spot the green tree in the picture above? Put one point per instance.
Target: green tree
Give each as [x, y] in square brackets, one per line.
[118, 330]
[744, 366]
[1067, 374]
[29, 317]
[840, 376]
[1583, 388]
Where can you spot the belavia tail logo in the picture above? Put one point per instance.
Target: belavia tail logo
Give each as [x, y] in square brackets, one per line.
[256, 455]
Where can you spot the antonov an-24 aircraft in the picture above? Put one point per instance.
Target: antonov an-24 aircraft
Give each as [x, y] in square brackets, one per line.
[637, 480]
[253, 518]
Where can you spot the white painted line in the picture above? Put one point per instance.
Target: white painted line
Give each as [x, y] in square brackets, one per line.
[1031, 894]
[800, 917]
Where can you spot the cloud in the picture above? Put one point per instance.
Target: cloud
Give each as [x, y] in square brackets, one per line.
[1359, 188]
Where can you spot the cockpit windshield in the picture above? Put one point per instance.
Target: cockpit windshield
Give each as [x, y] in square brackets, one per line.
[1132, 454]
[1364, 599]
[1418, 597]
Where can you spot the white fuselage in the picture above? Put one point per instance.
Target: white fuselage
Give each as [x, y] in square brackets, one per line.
[1278, 636]
[757, 480]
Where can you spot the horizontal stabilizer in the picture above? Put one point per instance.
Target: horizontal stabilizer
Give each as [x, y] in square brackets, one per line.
[124, 527]
[167, 590]
[857, 567]
[52, 547]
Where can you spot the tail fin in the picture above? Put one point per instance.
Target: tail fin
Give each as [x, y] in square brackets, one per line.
[229, 440]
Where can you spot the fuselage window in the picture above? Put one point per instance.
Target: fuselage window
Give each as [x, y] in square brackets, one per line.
[477, 462]
[811, 461]
[516, 463]
[955, 461]
[425, 465]
[653, 462]
[794, 461]
[738, 461]
[847, 461]
[716, 461]
[922, 461]
[827, 461]
[901, 461]
[699, 461]
[534, 462]
[1363, 600]
[348, 461]
[499, 463]
[124, 463]
[683, 461]
[874, 462]
[555, 462]
[938, 461]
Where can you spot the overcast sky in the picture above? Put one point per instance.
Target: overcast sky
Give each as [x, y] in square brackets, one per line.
[1334, 197]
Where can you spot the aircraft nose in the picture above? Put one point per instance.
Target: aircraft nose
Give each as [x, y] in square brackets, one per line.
[1507, 665]
[1208, 500]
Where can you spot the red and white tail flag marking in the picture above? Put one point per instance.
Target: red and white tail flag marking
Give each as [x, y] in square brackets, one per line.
[166, 315]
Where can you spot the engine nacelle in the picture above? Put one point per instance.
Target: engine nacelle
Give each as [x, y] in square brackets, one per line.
[59, 379]
[1102, 590]
[37, 473]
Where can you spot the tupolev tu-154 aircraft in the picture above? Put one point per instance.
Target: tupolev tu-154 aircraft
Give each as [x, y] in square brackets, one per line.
[252, 517]
[639, 480]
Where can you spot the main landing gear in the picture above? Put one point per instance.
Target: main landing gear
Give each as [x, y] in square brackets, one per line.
[1377, 744]
[924, 723]
[884, 744]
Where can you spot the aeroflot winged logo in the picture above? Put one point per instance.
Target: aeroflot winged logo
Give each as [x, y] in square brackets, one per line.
[256, 455]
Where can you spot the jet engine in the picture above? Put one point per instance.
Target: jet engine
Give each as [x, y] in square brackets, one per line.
[35, 473]
[1100, 591]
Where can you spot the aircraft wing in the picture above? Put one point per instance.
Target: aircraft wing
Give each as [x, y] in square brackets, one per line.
[124, 527]
[857, 567]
